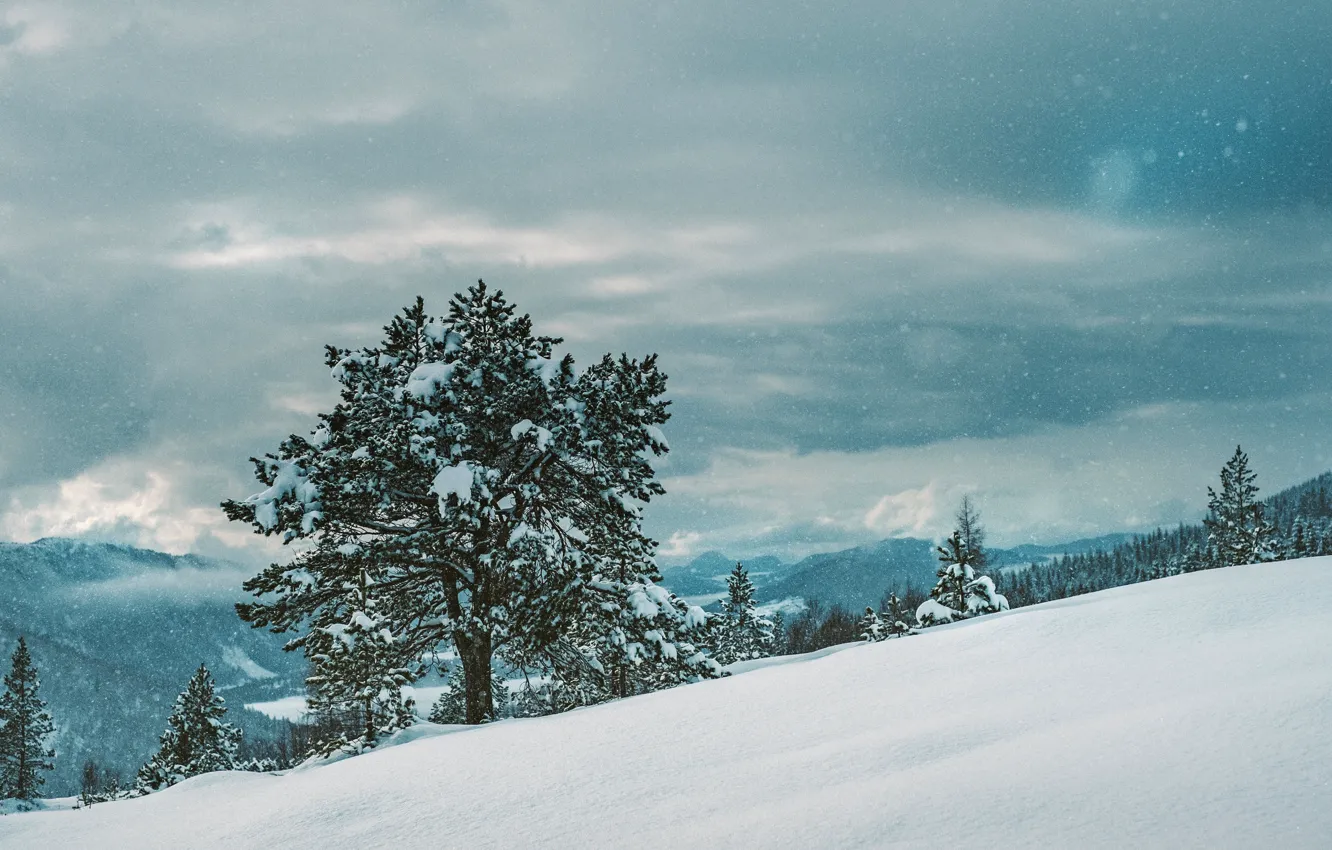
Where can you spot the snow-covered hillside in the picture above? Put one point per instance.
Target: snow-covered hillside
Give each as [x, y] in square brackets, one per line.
[1194, 711]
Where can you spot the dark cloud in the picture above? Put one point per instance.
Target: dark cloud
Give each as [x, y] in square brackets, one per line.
[1179, 109]
[72, 385]
[860, 386]
[847, 229]
[10, 33]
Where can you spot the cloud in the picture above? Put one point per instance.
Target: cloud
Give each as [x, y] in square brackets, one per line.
[908, 512]
[1133, 470]
[179, 584]
[122, 501]
[848, 240]
[408, 232]
[680, 544]
[31, 30]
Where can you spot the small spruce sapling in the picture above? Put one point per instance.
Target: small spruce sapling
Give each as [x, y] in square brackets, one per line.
[871, 627]
[1237, 530]
[196, 739]
[895, 620]
[744, 634]
[960, 593]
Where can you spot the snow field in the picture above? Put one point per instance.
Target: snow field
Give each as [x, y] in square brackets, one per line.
[1194, 711]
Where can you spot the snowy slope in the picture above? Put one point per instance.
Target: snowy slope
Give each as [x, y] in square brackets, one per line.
[1194, 711]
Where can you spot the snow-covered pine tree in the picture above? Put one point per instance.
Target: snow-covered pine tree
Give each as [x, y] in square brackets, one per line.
[1296, 543]
[196, 740]
[960, 593]
[742, 633]
[983, 598]
[357, 668]
[1299, 542]
[1237, 531]
[632, 636]
[451, 706]
[948, 599]
[871, 627]
[477, 473]
[895, 617]
[533, 700]
[25, 727]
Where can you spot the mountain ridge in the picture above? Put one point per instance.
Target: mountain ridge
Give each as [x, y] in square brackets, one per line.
[115, 632]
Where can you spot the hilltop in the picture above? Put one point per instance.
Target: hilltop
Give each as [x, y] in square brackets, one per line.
[1187, 711]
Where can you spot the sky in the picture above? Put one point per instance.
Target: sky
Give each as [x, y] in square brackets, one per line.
[1062, 257]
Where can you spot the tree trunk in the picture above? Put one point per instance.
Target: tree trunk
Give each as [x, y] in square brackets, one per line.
[21, 784]
[619, 681]
[370, 732]
[474, 652]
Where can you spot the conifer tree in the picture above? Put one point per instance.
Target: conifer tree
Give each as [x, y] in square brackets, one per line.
[971, 532]
[960, 593]
[634, 637]
[196, 740]
[25, 727]
[895, 617]
[357, 668]
[743, 633]
[90, 783]
[779, 635]
[955, 573]
[871, 627]
[480, 477]
[1237, 531]
[1297, 544]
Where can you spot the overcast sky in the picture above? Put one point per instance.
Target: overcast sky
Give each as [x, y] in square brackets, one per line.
[1059, 255]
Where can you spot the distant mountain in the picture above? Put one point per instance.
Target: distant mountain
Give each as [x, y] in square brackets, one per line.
[857, 577]
[1306, 506]
[706, 574]
[852, 577]
[116, 631]
[1029, 553]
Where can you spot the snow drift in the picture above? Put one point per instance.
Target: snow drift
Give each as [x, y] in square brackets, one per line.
[1193, 711]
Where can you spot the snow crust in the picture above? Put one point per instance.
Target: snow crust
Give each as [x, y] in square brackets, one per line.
[453, 481]
[288, 480]
[428, 378]
[1193, 711]
[932, 611]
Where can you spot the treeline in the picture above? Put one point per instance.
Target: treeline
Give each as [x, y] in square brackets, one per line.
[819, 626]
[1296, 523]
[1239, 529]
[961, 591]
[197, 740]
